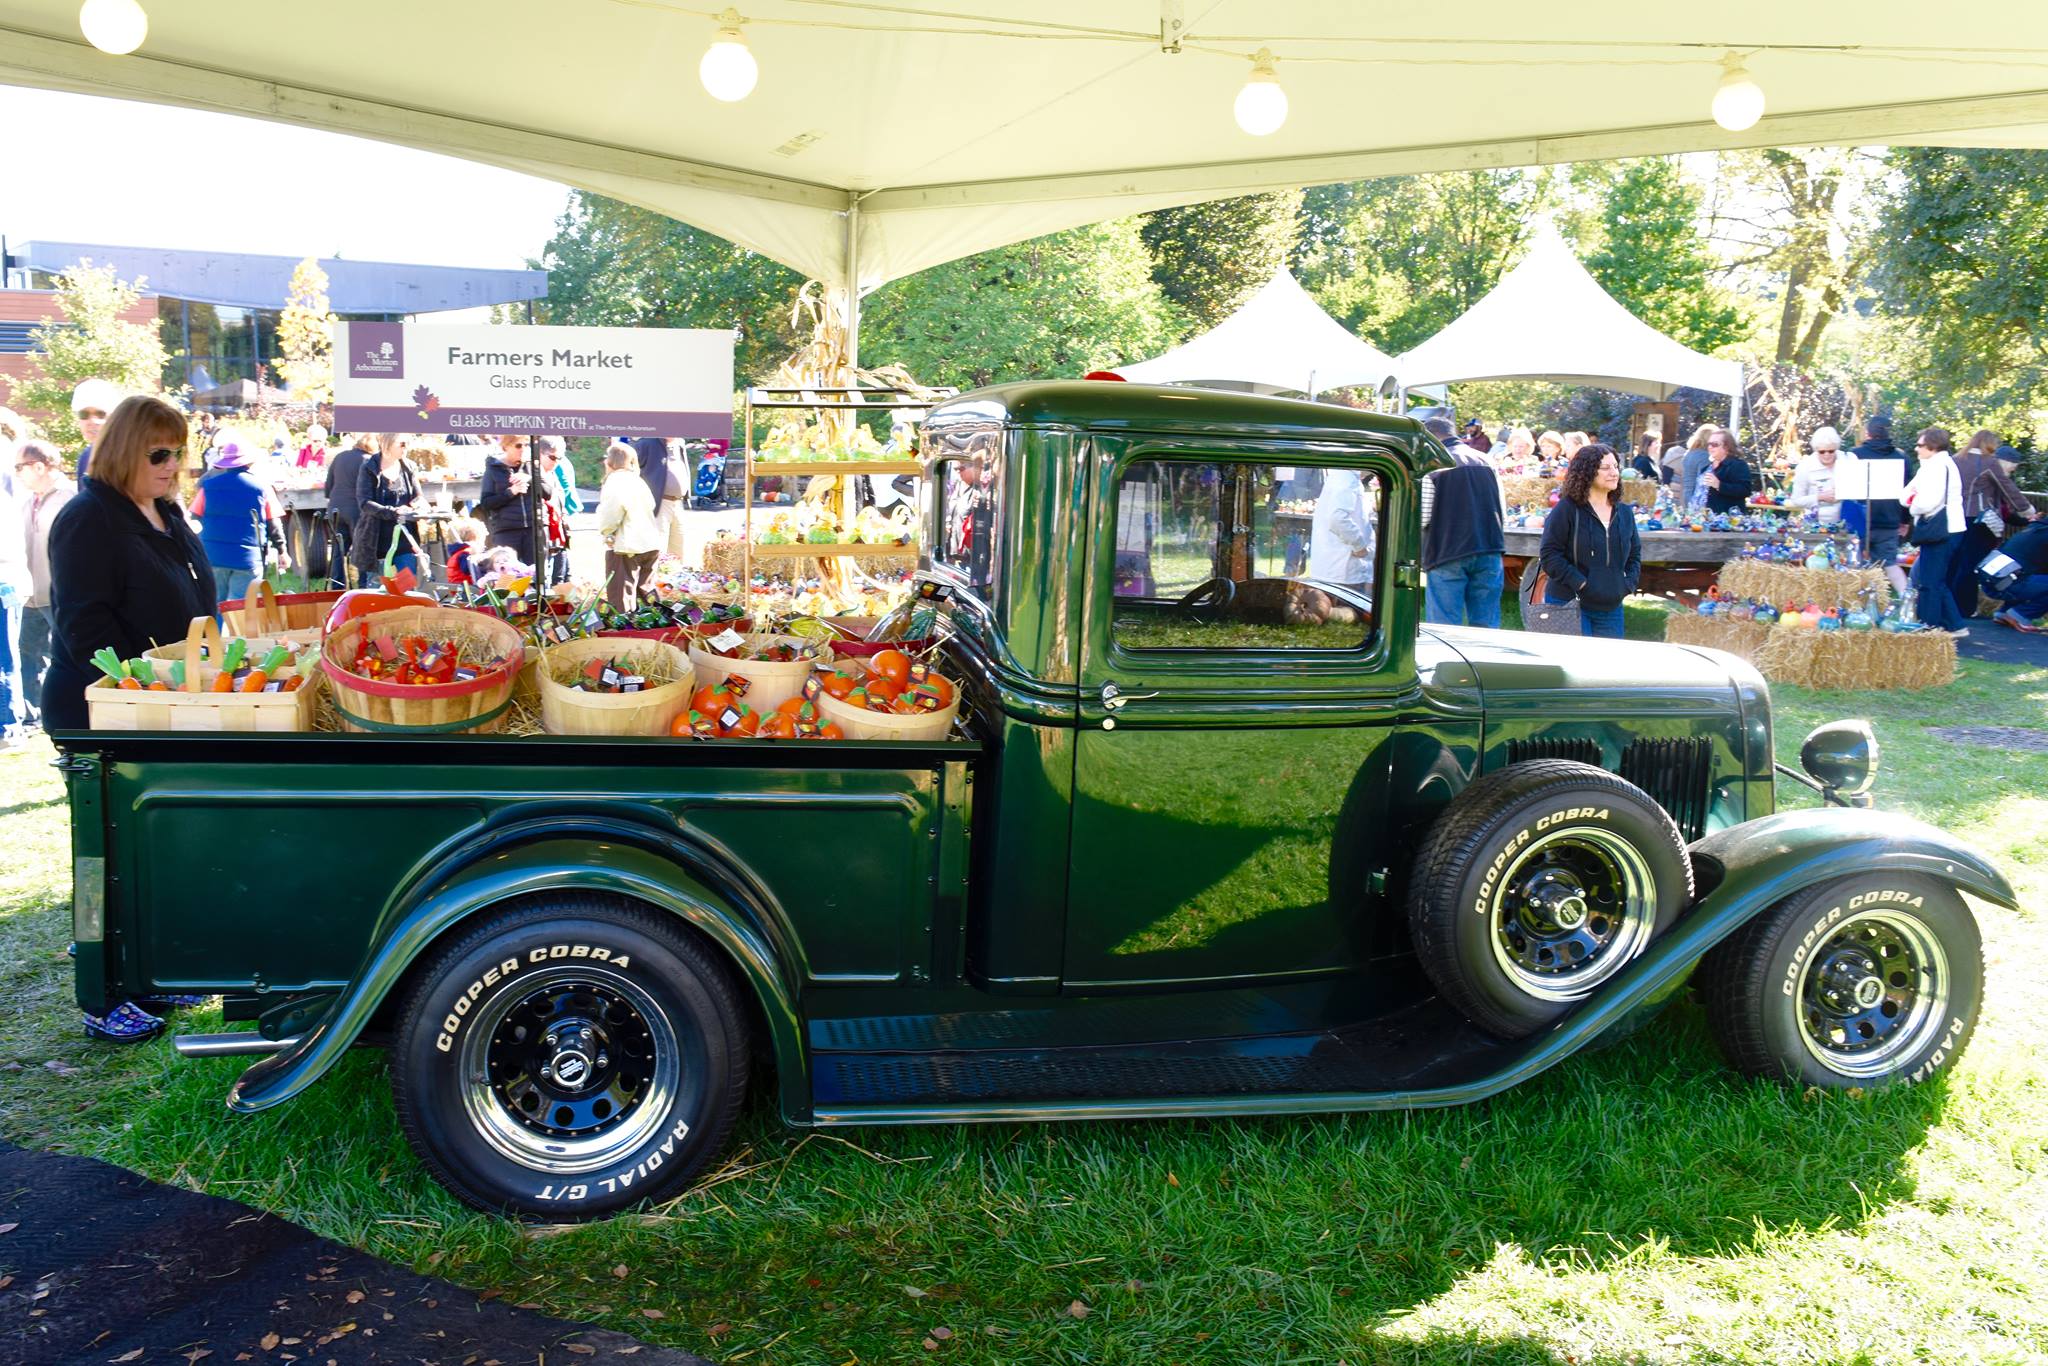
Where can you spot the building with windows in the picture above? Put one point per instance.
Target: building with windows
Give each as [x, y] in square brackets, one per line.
[218, 311]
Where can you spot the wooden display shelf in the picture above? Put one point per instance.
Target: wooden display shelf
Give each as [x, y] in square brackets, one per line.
[764, 468]
[807, 552]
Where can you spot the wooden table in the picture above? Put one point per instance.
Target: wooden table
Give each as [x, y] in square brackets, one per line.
[1673, 561]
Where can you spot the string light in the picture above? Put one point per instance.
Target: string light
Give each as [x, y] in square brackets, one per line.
[729, 70]
[1739, 102]
[115, 27]
[1262, 105]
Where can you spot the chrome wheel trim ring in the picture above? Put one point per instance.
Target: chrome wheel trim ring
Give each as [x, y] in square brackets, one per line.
[1627, 905]
[512, 1135]
[1916, 991]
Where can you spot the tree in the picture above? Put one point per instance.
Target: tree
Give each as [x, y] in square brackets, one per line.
[613, 265]
[1061, 304]
[1395, 259]
[1805, 225]
[306, 335]
[1961, 265]
[1653, 257]
[94, 342]
[1210, 258]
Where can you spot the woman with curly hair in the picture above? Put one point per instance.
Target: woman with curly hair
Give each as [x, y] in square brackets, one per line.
[1591, 550]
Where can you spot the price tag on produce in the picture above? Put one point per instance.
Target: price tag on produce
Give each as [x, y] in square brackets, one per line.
[728, 639]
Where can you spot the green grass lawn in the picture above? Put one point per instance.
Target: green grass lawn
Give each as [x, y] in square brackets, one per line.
[1638, 1204]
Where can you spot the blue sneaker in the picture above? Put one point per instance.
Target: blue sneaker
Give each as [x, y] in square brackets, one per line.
[163, 1003]
[125, 1023]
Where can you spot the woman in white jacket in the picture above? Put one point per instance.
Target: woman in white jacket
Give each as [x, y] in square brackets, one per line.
[632, 538]
[1935, 500]
[1813, 483]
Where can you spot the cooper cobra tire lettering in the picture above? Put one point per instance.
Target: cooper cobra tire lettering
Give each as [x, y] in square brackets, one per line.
[451, 1024]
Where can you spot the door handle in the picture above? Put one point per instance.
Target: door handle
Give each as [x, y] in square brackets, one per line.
[1113, 697]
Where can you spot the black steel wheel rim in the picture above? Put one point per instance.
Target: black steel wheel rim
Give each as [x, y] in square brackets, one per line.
[1873, 993]
[1571, 910]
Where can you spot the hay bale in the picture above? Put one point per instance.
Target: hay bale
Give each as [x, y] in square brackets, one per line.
[1741, 638]
[724, 555]
[1780, 584]
[1858, 660]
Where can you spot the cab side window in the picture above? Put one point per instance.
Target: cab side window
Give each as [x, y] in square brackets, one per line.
[1245, 555]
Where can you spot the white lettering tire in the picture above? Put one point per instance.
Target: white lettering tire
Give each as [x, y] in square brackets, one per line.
[1869, 980]
[570, 1056]
[1539, 883]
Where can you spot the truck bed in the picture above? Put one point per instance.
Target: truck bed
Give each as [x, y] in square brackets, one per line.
[265, 866]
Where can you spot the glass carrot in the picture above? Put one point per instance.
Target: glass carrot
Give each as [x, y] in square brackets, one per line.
[260, 675]
[115, 668]
[230, 660]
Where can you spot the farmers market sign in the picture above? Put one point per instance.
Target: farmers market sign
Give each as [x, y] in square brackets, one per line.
[567, 381]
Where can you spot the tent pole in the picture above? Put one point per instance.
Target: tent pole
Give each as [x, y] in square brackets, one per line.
[850, 304]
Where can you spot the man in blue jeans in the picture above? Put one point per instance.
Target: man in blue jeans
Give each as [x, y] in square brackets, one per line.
[1463, 512]
[2026, 600]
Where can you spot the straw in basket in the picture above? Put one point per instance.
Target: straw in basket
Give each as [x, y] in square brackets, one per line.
[770, 682]
[294, 618]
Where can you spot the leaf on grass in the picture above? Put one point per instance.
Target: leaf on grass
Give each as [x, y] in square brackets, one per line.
[931, 1345]
[582, 1349]
[129, 1356]
[1172, 1180]
[718, 1330]
[914, 1292]
[620, 1271]
[1077, 1310]
[268, 1342]
[942, 1333]
[354, 1297]
[435, 1259]
[652, 1314]
[62, 1069]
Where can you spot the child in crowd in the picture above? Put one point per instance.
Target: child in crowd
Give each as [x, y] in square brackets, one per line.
[469, 535]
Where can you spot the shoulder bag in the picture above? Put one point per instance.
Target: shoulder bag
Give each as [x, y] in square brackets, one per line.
[1549, 618]
[1932, 529]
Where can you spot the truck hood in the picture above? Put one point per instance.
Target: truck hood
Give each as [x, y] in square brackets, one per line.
[1580, 674]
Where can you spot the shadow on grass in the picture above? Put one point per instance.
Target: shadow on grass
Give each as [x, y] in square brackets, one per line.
[19, 807]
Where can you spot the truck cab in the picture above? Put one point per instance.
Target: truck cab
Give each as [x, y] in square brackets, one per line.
[1225, 829]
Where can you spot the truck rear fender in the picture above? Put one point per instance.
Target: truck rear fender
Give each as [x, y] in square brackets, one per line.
[696, 882]
[1739, 873]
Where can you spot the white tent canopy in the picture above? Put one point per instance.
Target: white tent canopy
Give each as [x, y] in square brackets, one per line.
[1280, 341]
[884, 138]
[1549, 319]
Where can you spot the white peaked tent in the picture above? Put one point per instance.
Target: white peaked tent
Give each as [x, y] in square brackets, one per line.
[1279, 341]
[886, 137]
[1549, 319]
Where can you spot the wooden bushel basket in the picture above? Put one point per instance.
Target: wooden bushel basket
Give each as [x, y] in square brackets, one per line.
[861, 724]
[571, 711]
[374, 705]
[112, 707]
[770, 682]
[294, 618]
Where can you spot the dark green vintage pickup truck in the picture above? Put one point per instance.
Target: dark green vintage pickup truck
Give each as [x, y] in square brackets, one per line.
[1227, 830]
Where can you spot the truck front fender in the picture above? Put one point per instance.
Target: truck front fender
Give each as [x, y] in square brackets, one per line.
[542, 865]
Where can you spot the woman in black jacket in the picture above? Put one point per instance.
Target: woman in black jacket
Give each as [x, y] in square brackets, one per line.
[126, 573]
[387, 494]
[1591, 550]
[125, 569]
[1727, 479]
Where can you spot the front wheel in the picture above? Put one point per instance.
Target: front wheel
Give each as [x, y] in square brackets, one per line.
[569, 1058]
[1865, 981]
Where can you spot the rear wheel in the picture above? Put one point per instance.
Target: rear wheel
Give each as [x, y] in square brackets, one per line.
[569, 1058]
[1863, 981]
[1537, 885]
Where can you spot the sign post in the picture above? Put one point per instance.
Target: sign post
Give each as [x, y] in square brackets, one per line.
[491, 381]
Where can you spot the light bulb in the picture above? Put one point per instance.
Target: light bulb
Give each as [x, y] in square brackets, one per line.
[116, 27]
[728, 69]
[1739, 102]
[1262, 105]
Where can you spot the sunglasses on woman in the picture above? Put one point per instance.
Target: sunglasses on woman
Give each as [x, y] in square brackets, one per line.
[162, 454]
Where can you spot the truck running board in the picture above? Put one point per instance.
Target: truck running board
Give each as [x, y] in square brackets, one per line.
[241, 1043]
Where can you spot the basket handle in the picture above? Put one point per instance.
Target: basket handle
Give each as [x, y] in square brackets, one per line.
[259, 605]
[203, 631]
